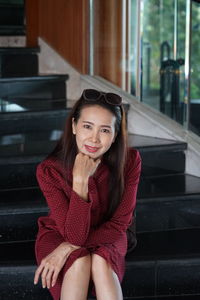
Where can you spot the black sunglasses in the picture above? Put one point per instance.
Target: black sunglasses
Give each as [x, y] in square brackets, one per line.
[94, 95]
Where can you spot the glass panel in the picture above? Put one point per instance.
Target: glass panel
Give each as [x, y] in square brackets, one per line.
[195, 70]
[163, 45]
[133, 45]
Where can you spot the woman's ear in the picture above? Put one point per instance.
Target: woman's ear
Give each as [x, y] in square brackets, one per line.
[73, 126]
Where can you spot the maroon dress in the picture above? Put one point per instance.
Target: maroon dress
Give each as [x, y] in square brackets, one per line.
[81, 223]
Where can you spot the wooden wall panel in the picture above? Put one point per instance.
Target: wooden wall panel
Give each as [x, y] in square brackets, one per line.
[32, 23]
[63, 24]
[108, 40]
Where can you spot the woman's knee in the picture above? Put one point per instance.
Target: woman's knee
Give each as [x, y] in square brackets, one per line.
[82, 264]
[99, 265]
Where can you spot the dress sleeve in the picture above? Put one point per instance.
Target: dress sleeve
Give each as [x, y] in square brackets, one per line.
[110, 231]
[68, 210]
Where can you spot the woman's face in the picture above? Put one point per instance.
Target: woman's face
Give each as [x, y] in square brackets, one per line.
[95, 131]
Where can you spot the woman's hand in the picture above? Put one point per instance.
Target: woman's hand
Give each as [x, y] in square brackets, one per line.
[52, 264]
[84, 167]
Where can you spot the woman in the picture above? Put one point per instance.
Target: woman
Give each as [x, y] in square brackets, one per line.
[90, 183]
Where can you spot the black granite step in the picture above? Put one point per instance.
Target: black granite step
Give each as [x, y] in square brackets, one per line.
[17, 176]
[159, 156]
[42, 87]
[26, 139]
[19, 50]
[168, 202]
[18, 61]
[20, 173]
[168, 185]
[166, 213]
[33, 122]
[163, 264]
[21, 199]
[12, 18]
[21, 148]
[12, 30]
[19, 212]
[11, 13]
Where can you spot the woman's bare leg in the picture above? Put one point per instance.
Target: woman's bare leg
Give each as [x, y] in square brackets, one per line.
[76, 280]
[106, 282]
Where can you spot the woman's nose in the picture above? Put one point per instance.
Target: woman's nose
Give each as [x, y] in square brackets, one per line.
[95, 136]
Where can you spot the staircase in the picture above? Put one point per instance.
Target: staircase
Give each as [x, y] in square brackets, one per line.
[12, 17]
[166, 261]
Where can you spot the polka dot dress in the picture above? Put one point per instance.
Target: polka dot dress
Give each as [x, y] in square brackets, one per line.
[81, 223]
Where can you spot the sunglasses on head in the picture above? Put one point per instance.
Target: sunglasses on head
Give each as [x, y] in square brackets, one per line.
[94, 95]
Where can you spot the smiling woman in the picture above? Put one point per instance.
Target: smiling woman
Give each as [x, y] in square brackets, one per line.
[94, 135]
[90, 183]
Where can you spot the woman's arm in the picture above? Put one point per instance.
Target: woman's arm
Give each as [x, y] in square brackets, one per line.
[84, 167]
[70, 208]
[111, 230]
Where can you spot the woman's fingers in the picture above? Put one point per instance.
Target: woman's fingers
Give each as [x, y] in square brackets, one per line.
[49, 277]
[55, 276]
[44, 275]
[38, 272]
[84, 165]
[52, 264]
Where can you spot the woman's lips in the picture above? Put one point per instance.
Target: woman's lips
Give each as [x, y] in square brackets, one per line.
[91, 149]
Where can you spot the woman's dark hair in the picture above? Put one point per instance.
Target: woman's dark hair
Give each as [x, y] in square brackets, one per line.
[115, 158]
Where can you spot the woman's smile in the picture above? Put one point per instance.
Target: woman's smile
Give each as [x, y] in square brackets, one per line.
[91, 149]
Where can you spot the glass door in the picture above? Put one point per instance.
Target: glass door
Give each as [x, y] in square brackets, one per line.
[195, 69]
[163, 26]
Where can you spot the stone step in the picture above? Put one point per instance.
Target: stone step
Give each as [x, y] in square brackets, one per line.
[168, 157]
[20, 172]
[22, 203]
[18, 61]
[33, 123]
[12, 18]
[12, 13]
[19, 212]
[12, 30]
[163, 264]
[166, 213]
[42, 87]
[18, 176]
[159, 156]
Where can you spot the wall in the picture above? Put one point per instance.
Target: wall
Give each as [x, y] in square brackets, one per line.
[108, 40]
[50, 62]
[63, 25]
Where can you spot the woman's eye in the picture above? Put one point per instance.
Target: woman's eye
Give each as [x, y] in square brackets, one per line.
[105, 130]
[87, 126]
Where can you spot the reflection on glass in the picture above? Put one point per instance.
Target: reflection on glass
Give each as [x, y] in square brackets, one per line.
[163, 51]
[6, 106]
[151, 35]
[12, 139]
[133, 45]
[26, 104]
[195, 70]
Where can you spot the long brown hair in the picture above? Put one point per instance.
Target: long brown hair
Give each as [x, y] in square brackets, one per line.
[115, 158]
